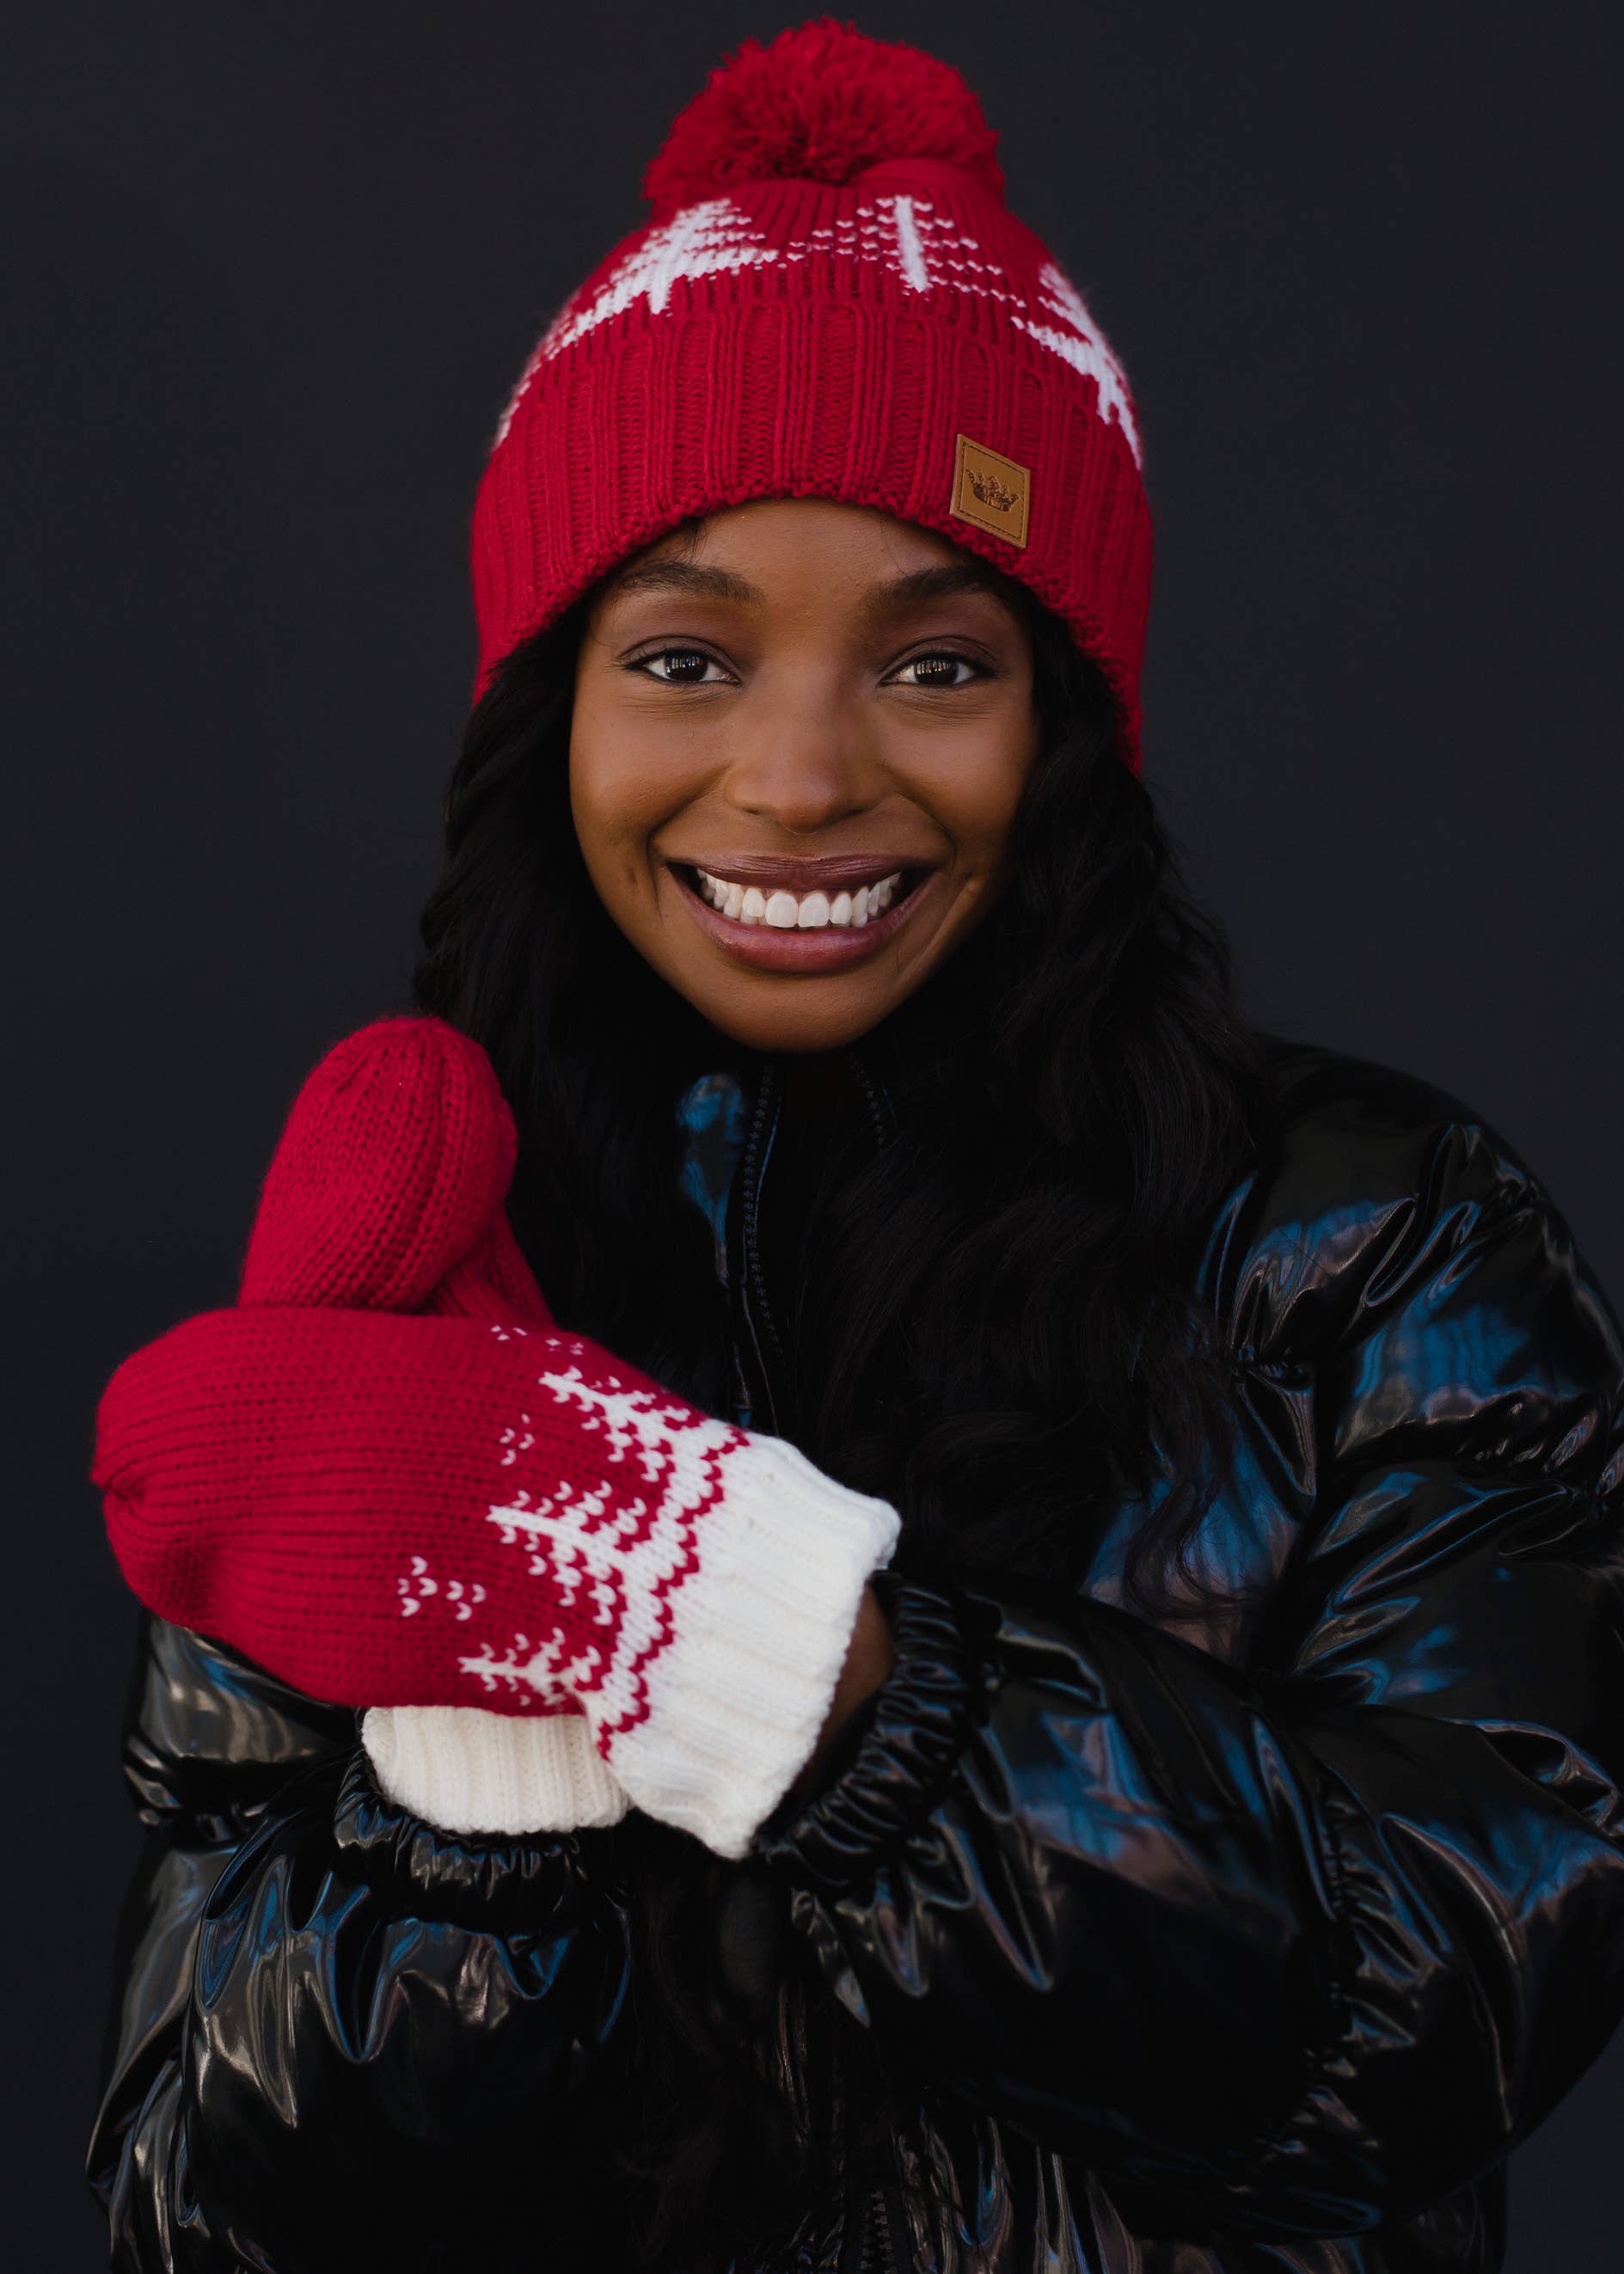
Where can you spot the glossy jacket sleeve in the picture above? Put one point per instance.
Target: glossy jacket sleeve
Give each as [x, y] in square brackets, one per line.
[339, 2036]
[1308, 1943]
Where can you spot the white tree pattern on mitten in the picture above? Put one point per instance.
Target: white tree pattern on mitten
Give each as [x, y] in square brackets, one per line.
[613, 1545]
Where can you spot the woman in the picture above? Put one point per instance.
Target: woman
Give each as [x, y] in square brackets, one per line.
[986, 1608]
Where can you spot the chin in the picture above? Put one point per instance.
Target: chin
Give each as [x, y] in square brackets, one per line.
[786, 1038]
[784, 1030]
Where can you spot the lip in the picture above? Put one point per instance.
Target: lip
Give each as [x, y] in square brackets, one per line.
[833, 948]
[800, 872]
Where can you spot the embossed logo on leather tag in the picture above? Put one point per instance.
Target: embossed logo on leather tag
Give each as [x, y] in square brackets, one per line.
[990, 489]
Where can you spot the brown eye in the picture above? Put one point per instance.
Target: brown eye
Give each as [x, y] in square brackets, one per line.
[938, 670]
[677, 666]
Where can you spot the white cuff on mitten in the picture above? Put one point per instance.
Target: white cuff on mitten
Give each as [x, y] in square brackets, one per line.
[735, 1699]
[760, 1631]
[467, 1769]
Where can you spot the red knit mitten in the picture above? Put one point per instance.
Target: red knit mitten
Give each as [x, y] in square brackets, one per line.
[442, 1511]
[385, 1192]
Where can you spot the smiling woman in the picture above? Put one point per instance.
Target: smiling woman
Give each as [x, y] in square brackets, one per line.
[832, 713]
[985, 1608]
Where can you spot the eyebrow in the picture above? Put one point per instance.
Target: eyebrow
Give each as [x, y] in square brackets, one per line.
[919, 585]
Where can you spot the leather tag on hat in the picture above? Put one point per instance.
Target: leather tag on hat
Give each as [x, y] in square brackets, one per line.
[990, 489]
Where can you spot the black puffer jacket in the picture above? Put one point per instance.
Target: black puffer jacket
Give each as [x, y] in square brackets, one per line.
[1253, 1947]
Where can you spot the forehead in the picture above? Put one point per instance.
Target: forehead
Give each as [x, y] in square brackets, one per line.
[803, 550]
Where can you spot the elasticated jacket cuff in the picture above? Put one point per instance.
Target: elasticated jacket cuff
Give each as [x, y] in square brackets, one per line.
[910, 1736]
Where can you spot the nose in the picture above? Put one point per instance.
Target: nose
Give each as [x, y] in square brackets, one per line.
[803, 762]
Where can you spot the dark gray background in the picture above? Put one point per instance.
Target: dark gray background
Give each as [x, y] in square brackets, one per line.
[276, 269]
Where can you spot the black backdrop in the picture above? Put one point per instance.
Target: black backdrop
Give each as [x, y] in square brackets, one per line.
[277, 268]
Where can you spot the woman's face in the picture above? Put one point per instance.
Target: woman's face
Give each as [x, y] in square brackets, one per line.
[799, 737]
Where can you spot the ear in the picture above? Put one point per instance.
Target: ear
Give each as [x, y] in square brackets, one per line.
[395, 1161]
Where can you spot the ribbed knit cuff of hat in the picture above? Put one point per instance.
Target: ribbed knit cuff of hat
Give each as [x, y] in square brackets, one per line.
[731, 1702]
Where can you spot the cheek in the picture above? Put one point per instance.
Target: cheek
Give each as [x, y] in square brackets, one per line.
[974, 794]
[617, 800]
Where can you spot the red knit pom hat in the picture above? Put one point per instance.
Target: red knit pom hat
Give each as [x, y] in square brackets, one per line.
[829, 300]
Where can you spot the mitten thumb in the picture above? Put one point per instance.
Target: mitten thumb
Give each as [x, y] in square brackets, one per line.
[493, 1282]
[396, 1158]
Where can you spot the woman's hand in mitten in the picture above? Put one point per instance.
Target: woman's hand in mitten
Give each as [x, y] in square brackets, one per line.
[425, 1511]
[385, 1193]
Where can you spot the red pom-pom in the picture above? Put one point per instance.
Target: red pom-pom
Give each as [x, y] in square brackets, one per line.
[821, 104]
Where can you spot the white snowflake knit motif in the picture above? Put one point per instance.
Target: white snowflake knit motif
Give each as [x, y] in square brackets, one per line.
[1084, 347]
[702, 240]
[923, 247]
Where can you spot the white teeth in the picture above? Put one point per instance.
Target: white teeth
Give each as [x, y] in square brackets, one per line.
[787, 911]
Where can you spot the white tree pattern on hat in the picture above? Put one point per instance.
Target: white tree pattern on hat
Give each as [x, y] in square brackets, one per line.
[923, 247]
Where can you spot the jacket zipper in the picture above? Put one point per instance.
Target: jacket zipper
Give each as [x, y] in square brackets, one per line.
[878, 2254]
[882, 1118]
[753, 1286]
[766, 1345]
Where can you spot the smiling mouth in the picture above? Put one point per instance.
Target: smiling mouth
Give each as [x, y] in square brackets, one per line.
[811, 914]
[849, 905]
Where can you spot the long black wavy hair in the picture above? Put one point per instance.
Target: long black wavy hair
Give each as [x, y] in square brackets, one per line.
[996, 1333]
